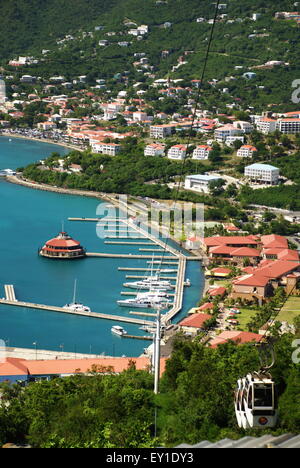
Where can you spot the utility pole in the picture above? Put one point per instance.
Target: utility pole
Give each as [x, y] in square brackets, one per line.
[157, 352]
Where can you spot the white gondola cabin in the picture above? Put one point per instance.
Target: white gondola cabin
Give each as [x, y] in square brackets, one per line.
[256, 402]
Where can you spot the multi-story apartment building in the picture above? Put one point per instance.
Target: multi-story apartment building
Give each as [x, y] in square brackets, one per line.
[246, 151]
[154, 150]
[202, 152]
[266, 125]
[288, 125]
[161, 131]
[222, 133]
[177, 152]
[111, 149]
[263, 173]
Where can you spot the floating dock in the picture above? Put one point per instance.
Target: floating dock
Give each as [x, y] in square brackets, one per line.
[130, 256]
[134, 337]
[97, 315]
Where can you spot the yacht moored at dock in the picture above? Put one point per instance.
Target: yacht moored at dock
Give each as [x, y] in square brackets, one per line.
[146, 300]
[117, 330]
[151, 283]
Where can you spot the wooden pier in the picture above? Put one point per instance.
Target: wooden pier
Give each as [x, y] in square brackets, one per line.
[146, 314]
[129, 256]
[126, 243]
[151, 250]
[134, 337]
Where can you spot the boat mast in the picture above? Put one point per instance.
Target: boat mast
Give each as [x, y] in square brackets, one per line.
[74, 295]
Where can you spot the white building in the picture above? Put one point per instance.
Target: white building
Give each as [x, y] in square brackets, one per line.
[229, 130]
[2, 92]
[177, 152]
[266, 125]
[288, 125]
[200, 182]
[160, 131]
[263, 173]
[46, 126]
[246, 151]
[202, 152]
[154, 150]
[112, 149]
[139, 116]
[28, 79]
[245, 126]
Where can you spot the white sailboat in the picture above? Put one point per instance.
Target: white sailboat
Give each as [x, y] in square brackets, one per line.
[75, 306]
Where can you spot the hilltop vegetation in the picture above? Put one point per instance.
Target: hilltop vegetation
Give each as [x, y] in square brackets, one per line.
[109, 411]
[33, 25]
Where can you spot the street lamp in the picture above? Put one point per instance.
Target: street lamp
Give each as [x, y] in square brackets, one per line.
[35, 344]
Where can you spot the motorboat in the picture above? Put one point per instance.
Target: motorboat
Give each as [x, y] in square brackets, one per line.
[117, 330]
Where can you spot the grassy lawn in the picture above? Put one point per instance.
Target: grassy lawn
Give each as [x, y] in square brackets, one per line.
[290, 311]
[245, 317]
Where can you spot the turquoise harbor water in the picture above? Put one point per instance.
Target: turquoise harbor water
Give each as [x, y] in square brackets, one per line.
[29, 218]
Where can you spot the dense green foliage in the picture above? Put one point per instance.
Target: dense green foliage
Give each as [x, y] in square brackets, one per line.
[121, 174]
[195, 403]
[32, 25]
[283, 196]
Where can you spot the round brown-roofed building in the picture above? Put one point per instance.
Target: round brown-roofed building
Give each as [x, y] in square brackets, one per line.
[62, 247]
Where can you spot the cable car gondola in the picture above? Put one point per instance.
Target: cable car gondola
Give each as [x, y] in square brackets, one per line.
[255, 400]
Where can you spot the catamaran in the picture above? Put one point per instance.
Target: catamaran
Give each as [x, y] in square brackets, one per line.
[75, 306]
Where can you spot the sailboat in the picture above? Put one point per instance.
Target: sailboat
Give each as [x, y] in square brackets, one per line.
[75, 306]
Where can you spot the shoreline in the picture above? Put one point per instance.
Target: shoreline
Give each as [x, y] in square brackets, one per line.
[18, 180]
[39, 140]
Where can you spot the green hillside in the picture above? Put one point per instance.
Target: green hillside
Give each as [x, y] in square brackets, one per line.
[31, 25]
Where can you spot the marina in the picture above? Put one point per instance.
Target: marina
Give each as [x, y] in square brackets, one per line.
[42, 282]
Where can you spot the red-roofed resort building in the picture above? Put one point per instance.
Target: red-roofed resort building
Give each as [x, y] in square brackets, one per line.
[62, 247]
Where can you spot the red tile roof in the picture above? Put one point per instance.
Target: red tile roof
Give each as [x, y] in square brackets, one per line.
[195, 320]
[206, 306]
[221, 271]
[217, 291]
[274, 241]
[237, 336]
[255, 280]
[229, 240]
[14, 366]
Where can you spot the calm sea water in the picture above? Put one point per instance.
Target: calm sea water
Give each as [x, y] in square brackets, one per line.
[29, 218]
